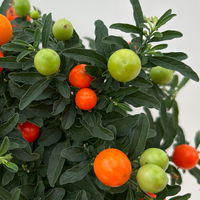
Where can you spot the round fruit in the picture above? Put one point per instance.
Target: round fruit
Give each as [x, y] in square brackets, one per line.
[5, 30]
[79, 78]
[30, 132]
[47, 62]
[124, 65]
[151, 178]
[22, 7]
[11, 15]
[161, 75]
[62, 29]
[1, 55]
[86, 99]
[154, 156]
[35, 14]
[185, 156]
[112, 167]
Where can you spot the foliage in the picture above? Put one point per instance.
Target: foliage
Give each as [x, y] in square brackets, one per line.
[59, 164]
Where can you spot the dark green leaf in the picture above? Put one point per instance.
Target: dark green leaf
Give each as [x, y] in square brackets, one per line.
[55, 194]
[10, 63]
[29, 78]
[76, 173]
[197, 140]
[9, 125]
[165, 18]
[33, 92]
[116, 40]
[86, 56]
[7, 178]
[139, 136]
[171, 63]
[60, 105]
[55, 165]
[46, 30]
[4, 194]
[74, 154]
[91, 42]
[22, 154]
[137, 12]
[127, 28]
[22, 55]
[37, 37]
[49, 136]
[173, 190]
[176, 55]
[68, 117]
[64, 89]
[159, 47]
[184, 197]
[4, 146]
[15, 194]
[140, 98]
[4, 6]
[13, 47]
[196, 173]
[101, 31]
[167, 35]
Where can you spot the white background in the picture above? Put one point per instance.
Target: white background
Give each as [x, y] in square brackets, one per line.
[83, 13]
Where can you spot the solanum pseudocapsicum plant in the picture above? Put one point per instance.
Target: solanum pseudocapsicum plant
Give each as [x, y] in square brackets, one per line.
[66, 128]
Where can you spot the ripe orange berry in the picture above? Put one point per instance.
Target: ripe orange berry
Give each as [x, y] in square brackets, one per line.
[79, 78]
[112, 167]
[86, 99]
[1, 55]
[185, 156]
[11, 14]
[6, 31]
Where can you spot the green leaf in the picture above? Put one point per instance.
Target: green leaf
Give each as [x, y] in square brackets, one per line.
[165, 18]
[196, 173]
[139, 136]
[173, 190]
[9, 62]
[22, 154]
[140, 98]
[29, 78]
[101, 31]
[22, 55]
[137, 12]
[15, 194]
[197, 140]
[76, 173]
[4, 6]
[4, 194]
[55, 194]
[86, 56]
[12, 166]
[159, 47]
[167, 35]
[184, 197]
[93, 71]
[13, 47]
[37, 37]
[46, 30]
[68, 117]
[74, 154]
[49, 136]
[63, 89]
[60, 105]
[55, 165]
[176, 55]
[91, 42]
[4, 146]
[7, 178]
[80, 195]
[116, 40]
[130, 194]
[93, 123]
[9, 125]
[33, 92]
[127, 28]
[175, 175]
[173, 64]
